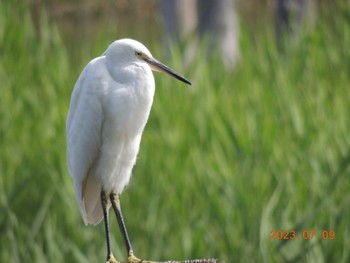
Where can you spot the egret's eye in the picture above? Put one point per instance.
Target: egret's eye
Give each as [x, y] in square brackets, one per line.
[138, 54]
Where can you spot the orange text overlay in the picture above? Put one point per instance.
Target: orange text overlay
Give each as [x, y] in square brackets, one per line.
[303, 235]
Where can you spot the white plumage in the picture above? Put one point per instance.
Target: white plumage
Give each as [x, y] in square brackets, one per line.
[109, 108]
[108, 111]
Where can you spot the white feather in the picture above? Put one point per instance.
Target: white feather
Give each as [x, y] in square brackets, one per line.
[109, 108]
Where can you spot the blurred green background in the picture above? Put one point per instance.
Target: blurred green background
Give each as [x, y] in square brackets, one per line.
[222, 163]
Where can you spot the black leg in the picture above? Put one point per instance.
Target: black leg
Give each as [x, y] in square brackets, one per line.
[105, 218]
[118, 212]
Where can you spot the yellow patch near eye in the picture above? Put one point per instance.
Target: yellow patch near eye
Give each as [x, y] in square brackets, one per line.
[141, 55]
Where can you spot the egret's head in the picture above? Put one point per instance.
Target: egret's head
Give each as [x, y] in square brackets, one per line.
[127, 51]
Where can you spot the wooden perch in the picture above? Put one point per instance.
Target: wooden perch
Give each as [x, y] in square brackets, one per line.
[211, 260]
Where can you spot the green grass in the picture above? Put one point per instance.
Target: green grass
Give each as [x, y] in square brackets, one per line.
[222, 163]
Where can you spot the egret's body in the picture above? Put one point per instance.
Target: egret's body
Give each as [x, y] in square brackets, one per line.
[109, 109]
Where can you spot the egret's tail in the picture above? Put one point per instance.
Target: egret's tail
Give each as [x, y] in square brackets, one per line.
[90, 200]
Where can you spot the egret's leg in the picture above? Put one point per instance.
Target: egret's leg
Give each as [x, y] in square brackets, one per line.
[118, 213]
[110, 257]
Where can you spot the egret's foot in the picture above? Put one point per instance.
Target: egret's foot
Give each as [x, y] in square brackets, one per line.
[133, 259]
[111, 259]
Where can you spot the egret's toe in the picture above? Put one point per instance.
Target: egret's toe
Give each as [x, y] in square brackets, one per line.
[112, 259]
[133, 259]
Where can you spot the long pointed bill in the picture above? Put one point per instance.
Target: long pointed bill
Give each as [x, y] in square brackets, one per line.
[160, 67]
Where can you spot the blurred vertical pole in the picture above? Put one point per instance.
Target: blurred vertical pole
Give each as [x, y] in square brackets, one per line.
[282, 26]
[304, 13]
[188, 12]
[187, 9]
[218, 24]
[179, 23]
[213, 20]
[170, 22]
[35, 13]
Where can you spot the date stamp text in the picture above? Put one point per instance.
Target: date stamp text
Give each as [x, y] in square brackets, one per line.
[303, 235]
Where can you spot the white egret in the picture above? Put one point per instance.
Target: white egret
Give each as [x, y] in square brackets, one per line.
[109, 108]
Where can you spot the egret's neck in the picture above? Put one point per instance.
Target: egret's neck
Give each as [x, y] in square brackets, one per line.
[128, 73]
